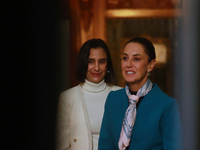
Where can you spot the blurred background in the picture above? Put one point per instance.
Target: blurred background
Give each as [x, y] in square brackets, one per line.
[41, 40]
[172, 26]
[116, 22]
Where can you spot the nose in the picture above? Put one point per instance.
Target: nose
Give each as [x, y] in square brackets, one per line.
[96, 67]
[129, 64]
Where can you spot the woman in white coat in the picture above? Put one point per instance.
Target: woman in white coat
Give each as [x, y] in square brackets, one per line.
[80, 109]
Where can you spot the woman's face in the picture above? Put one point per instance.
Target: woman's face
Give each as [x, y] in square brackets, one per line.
[97, 65]
[135, 65]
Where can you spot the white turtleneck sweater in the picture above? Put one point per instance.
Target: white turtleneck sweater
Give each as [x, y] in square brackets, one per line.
[95, 96]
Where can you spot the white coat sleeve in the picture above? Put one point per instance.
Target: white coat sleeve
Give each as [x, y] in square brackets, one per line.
[63, 132]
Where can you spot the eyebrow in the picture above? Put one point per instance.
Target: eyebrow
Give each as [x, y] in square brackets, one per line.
[133, 54]
[99, 59]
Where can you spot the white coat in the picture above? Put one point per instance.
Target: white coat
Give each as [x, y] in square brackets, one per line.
[73, 125]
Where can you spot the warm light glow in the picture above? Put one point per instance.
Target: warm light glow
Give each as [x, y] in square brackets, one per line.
[129, 13]
[161, 52]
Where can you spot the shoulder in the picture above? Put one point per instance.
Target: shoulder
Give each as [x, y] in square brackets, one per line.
[114, 87]
[70, 94]
[118, 93]
[161, 97]
[69, 91]
[159, 92]
[116, 99]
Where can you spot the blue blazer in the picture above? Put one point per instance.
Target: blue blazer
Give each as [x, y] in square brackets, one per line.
[157, 125]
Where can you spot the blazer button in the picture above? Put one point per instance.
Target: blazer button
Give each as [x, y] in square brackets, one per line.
[75, 140]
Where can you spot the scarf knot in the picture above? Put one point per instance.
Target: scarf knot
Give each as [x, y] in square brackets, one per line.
[133, 99]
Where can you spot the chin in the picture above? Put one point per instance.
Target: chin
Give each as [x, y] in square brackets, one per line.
[129, 79]
[97, 81]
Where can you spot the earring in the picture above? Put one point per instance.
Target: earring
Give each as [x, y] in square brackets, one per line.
[149, 74]
[108, 71]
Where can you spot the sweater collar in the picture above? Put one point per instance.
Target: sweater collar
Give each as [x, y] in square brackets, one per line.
[94, 87]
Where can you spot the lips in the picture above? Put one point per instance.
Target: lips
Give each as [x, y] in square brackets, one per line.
[96, 74]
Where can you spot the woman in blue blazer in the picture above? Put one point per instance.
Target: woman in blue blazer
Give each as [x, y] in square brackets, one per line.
[157, 124]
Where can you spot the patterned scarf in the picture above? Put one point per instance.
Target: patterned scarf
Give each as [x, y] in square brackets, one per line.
[130, 115]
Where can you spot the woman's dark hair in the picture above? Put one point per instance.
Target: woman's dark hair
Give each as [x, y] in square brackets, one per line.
[82, 61]
[148, 46]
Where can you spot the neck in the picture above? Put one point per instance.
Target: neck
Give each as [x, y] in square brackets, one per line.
[136, 86]
[94, 87]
